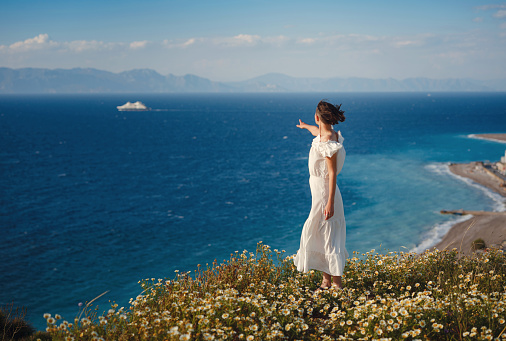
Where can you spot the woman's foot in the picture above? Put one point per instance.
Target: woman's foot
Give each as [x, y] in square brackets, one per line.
[336, 286]
[321, 289]
[324, 286]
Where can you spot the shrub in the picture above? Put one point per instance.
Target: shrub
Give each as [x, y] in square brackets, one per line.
[438, 295]
[12, 324]
[478, 244]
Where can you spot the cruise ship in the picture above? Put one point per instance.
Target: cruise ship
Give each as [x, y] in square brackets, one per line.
[137, 106]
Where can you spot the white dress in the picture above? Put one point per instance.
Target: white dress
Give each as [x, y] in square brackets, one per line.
[322, 243]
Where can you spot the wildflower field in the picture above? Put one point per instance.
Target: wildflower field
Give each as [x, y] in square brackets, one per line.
[437, 295]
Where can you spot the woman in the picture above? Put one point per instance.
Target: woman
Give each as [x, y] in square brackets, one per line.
[322, 244]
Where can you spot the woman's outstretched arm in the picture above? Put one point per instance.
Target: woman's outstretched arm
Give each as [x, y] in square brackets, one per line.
[312, 129]
[332, 167]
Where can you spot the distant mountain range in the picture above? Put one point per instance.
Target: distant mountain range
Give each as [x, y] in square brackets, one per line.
[79, 80]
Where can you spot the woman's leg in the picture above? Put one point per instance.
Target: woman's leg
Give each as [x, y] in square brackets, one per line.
[326, 281]
[336, 281]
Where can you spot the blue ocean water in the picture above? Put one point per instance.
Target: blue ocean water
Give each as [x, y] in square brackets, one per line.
[93, 199]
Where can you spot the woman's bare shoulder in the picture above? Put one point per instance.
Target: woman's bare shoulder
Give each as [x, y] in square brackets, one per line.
[334, 136]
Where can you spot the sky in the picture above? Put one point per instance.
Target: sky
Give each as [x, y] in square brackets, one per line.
[241, 39]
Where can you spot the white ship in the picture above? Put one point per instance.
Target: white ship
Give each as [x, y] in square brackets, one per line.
[137, 106]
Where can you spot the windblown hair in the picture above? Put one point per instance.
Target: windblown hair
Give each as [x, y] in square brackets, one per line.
[330, 113]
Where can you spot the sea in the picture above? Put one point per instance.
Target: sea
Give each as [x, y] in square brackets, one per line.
[94, 200]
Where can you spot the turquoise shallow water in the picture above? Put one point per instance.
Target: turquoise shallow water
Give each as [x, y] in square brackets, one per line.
[94, 200]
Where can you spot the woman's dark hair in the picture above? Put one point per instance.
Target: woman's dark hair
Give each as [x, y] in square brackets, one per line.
[330, 113]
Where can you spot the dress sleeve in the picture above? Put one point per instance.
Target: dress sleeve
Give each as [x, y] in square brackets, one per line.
[340, 137]
[327, 149]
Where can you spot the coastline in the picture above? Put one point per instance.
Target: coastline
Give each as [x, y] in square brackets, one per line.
[489, 226]
[501, 138]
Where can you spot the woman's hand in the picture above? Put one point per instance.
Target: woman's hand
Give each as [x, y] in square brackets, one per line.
[329, 210]
[302, 125]
[312, 129]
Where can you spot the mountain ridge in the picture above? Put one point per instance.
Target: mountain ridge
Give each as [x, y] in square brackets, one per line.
[90, 80]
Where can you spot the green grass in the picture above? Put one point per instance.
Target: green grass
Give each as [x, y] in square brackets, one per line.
[439, 295]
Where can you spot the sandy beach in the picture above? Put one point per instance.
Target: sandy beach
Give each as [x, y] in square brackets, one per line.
[489, 226]
[477, 172]
[492, 137]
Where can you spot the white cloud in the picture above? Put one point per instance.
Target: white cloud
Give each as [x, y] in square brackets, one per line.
[489, 7]
[39, 42]
[240, 40]
[340, 41]
[138, 44]
[239, 56]
[189, 42]
[171, 44]
[43, 42]
[500, 14]
[306, 40]
[364, 37]
[404, 43]
[246, 38]
[236, 41]
[419, 40]
[89, 45]
[478, 19]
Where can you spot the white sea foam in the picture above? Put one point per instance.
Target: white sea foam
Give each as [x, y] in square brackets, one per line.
[444, 169]
[439, 168]
[437, 232]
[474, 136]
